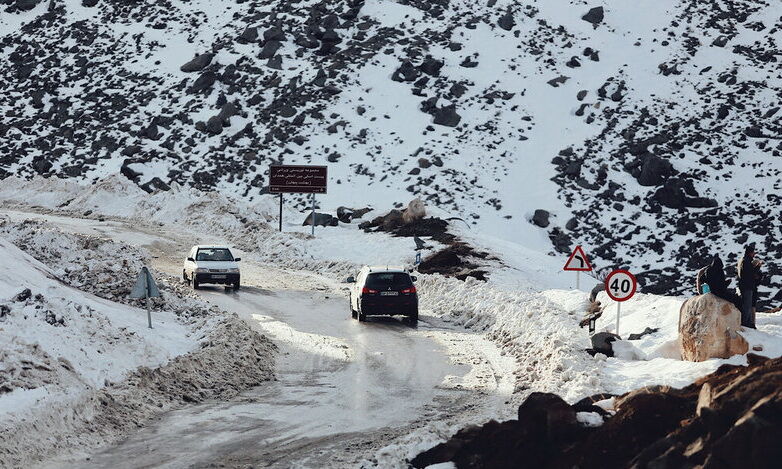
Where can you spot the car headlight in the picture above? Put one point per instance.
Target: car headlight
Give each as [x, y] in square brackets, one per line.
[233, 271]
[201, 270]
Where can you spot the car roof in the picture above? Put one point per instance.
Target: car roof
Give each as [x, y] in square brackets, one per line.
[210, 246]
[386, 268]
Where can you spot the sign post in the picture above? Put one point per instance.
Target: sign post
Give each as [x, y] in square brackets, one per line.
[620, 286]
[145, 288]
[313, 214]
[298, 179]
[578, 262]
[280, 212]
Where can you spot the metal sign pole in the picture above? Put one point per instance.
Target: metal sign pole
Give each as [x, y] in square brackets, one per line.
[618, 309]
[149, 313]
[313, 214]
[280, 212]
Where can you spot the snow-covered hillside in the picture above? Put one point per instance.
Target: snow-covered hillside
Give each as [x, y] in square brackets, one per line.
[648, 129]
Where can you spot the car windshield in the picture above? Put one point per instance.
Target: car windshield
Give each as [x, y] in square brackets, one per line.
[214, 255]
[386, 280]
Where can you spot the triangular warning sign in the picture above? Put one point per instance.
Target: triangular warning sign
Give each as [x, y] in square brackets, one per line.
[578, 261]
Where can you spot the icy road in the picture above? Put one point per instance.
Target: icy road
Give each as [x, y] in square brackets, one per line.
[344, 389]
[338, 380]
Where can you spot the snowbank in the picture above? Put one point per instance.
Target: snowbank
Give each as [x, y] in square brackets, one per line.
[658, 361]
[78, 370]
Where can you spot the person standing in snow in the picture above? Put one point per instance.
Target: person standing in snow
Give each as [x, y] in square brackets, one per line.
[713, 275]
[749, 275]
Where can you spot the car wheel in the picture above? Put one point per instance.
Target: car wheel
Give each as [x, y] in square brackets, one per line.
[414, 318]
[361, 316]
[196, 286]
[184, 277]
[237, 286]
[352, 311]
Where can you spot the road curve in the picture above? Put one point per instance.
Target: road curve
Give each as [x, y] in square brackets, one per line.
[337, 379]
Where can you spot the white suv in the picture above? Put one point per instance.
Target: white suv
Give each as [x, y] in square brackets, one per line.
[383, 290]
[211, 264]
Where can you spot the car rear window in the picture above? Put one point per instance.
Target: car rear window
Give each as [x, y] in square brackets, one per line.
[387, 280]
[214, 255]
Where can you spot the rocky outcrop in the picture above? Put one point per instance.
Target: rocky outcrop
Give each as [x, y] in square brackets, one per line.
[709, 328]
[415, 211]
[729, 419]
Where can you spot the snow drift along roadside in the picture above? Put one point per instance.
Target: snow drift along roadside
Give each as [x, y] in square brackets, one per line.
[78, 371]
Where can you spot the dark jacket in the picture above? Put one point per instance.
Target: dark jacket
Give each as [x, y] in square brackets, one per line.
[715, 277]
[749, 273]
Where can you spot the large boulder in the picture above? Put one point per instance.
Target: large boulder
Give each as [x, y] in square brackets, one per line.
[321, 219]
[199, 63]
[415, 210]
[709, 328]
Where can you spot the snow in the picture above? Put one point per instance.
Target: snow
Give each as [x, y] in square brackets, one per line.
[100, 340]
[527, 308]
[67, 340]
[589, 419]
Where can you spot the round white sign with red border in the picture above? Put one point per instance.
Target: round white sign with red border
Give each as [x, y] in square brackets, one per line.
[621, 285]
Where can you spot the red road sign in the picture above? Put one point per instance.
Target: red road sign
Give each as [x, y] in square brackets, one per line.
[578, 262]
[298, 179]
[621, 285]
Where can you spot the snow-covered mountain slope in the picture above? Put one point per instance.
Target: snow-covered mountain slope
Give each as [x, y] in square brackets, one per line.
[652, 123]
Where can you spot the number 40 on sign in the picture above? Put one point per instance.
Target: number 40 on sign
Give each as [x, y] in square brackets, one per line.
[620, 286]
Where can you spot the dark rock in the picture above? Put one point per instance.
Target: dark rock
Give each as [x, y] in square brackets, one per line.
[41, 165]
[594, 16]
[199, 63]
[269, 49]
[507, 22]
[431, 66]
[321, 219]
[155, 185]
[274, 34]
[447, 116]
[89, 3]
[550, 414]
[23, 296]
[555, 82]
[541, 218]
[250, 34]
[345, 215]
[126, 171]
[406, 72]
[468, 62]
[601, 343]
[654, 171]
[646, 331]
[275, 62]
[131, 150]
[26, 5]
[203, 82]
[214, 125]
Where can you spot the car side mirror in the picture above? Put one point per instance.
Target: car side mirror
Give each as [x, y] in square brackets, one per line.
[351, 279]
[237, 259]
[415, 279]
[190, 259]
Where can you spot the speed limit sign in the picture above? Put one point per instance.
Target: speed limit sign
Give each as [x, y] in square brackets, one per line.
[620, 286]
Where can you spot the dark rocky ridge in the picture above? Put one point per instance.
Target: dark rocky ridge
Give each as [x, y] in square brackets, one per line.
[729, 419]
